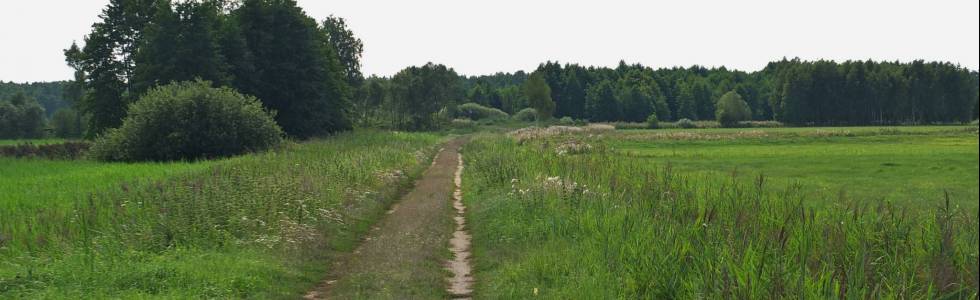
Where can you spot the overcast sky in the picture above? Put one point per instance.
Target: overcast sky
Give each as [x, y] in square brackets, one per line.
[482, 37]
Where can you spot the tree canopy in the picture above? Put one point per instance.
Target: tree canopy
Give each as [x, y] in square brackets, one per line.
[267, 48]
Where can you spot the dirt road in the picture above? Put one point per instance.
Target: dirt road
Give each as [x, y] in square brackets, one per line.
[405, 256]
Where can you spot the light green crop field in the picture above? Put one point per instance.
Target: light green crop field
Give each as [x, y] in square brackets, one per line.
[661, 215]
[909, 165]
[263, 225]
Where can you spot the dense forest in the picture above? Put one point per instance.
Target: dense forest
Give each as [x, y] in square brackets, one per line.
[791, 91]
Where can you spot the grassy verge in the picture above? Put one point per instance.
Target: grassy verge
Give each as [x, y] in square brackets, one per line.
[596, 224]
[257, 226]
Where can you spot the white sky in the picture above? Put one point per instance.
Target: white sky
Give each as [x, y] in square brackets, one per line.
[482, 37]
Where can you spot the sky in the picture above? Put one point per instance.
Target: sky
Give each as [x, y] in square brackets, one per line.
[484, 37]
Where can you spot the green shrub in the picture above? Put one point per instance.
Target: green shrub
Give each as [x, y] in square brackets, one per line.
[188, 121]
[975, 123]
[526, 115]
[566, 121]
[686, 123]
[732, 110]
[653, 122]
[475, 111]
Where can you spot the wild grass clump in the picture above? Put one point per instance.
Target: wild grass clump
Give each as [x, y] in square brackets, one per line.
[189, 121]
[262, 225]
[601, 226]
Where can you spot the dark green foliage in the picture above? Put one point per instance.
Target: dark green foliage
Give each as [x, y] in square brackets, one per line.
[108, 60]
[181, 44]
[187, 121]
[538, 95]
[347, 46]
[267, 48]
[475, 112]
[856, 92]
[601, 104]
[50, 95]
[67, 123]
[419, 93]
[732, 110]
[652, 121]
[298, 74]
[21, 117]
[527, 115]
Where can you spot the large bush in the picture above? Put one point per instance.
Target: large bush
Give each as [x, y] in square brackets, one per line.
[526, 115]
[732, 110]
[187, 121]
[475, 111]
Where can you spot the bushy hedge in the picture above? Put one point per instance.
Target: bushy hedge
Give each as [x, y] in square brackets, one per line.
[475, 111]
[526, 115]
[188, 121]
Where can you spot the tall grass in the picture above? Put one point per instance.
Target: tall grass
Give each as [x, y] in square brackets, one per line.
[598, 225]
[261, 225]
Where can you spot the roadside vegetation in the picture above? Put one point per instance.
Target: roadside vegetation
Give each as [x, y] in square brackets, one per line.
[560, 214]
[262, 225]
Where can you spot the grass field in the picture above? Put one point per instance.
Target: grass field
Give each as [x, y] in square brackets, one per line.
[605, 216]
[912, 165]
[260, 225]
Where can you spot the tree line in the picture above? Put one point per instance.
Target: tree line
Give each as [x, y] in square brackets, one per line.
[48, 94]
[791, 91]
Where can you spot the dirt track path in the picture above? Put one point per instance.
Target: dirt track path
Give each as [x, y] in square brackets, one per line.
[404, 257]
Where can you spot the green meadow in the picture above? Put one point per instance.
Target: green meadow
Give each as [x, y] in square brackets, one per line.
[263, 225]
[811, 213]
[909, 165]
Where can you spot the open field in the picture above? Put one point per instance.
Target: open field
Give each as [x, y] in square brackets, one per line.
[262, 225]
[605, 216]
[909, 165]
